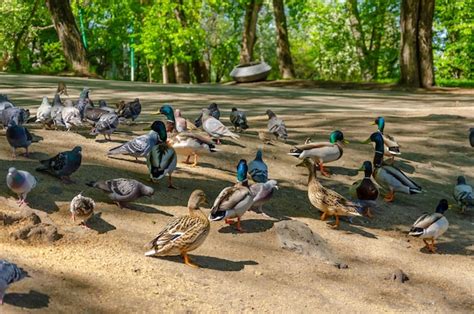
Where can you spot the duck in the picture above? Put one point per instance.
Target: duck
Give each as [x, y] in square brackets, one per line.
[258, 169]
[162, 159]
[392, 148]
[431, 226]
[463, 194]
[389, 176]
[168, 112]
[322, 152]
[234, 201]
[329, 202]
[183, 234]
[365, 190]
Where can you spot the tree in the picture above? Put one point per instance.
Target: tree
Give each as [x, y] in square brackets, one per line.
[68, 34]
[249, 35]
[416, 53]
[285, 62]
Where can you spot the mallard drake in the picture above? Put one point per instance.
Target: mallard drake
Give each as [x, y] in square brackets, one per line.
[82, 207]
[233, 201]
[162, 159]
[258, 169]
[168, 112]
[365, 190]
[322, 153]
[183, 234]
[392, 148]
[431, 226]
[328, 201]
[389, 176]
[463, 194]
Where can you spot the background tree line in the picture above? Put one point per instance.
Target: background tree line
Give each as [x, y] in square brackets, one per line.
[411, 41]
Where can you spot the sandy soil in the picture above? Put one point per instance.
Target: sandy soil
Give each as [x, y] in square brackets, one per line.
[104, 270]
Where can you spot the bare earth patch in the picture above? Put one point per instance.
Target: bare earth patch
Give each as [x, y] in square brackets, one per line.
[104, 269]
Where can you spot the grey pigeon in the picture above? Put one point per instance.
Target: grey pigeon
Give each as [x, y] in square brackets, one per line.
[82, 207]
[103, 106]
[214, 127]
[5, 103]
[83, 102]
[9, 273]
[262, 193]
[43, 114]
[18, 137]
[258, 169]
[276, 126]
[463, 194]
[238, 120]
[63, 164]
[138, 147]
[130, 110]
[123, 190]
[106, 125]
[213, 110]
[92, 114]
[56, 109]
[71, 116]
[21, 183]
[18, 115]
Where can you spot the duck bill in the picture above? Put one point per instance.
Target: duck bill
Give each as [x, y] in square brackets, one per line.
[367, 141]
[345, 141]
[361, 168]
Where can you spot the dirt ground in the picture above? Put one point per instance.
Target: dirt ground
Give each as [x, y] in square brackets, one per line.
[104, 270]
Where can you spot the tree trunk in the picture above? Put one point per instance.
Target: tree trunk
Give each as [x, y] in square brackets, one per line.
[285, 62]
[164, 71]
[69, 35]
[249, 36]
[416, 54]
[182, 73]
[359, 37]
[200, 71]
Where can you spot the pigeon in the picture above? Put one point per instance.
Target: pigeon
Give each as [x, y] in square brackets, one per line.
[82, 207]
[43, 114]
[106, 125]
[19, 115]
[123, 190]
[258, 170]
[63, 164]
[238, 120]
[262, 193]
[71, 116]
[92, 114]
[276, 126]
[214, 127]
[62, 89]
[214, 111]
[18, 137]
[9, 273]
[463, 194]
[181, 123]
[103, 106]
[138, 147]
[56, 110]
[4, 103]
[20, 182]
[83, 102]
[130, 110]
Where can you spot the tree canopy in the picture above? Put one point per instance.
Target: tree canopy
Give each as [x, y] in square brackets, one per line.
[202, 40]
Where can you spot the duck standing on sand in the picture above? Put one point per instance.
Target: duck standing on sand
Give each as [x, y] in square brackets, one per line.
[431, 226]
[392, 148]
[183, 234]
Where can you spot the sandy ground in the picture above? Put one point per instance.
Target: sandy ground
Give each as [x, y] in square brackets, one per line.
[104, 270]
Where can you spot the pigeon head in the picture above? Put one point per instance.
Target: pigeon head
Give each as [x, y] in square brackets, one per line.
[234, 109]
[77, 149]
[242, 170]
[146, 190]
[177, 113]
[85, 93]
[442, 206]
[259, 155]
[270, 114]
[160, 128]
[380, 123]
[205, 113]
[212, 106]
[461, 180]
[45, 100]
[102, 103]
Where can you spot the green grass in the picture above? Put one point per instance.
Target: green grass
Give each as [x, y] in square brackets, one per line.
[455, 83]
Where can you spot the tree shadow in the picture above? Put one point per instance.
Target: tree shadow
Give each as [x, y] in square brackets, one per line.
[30, 300]
[214, 263]
[250, 226]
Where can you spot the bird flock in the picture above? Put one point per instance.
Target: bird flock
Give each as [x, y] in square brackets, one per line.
[175, 136]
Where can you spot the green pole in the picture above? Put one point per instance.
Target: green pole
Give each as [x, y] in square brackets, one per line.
[81, 21]
[132, 56]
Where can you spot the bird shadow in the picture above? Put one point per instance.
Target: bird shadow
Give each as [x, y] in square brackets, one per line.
[350, 228]
[146, 209]
[97, 223]
[343, 171]
[38, 156]
[249, 226]
[210, 262]
[232, 143]
[141, 162]
[110, 141]
[30, 300]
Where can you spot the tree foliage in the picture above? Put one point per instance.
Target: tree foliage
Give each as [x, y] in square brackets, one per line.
[352, 40]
